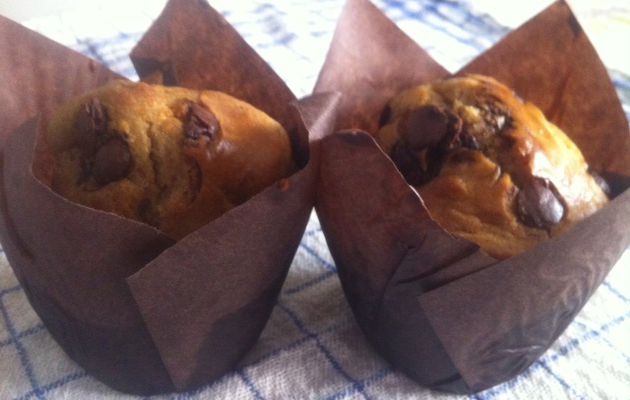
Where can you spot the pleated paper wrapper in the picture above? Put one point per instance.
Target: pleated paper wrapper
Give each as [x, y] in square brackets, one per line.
[437, 307]
[137, 310]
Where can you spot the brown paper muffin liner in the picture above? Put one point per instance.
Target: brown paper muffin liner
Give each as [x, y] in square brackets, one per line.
[138, 311]
[437, 307]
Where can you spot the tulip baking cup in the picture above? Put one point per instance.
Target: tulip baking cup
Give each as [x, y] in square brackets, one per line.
[137, 310]
[437, 307]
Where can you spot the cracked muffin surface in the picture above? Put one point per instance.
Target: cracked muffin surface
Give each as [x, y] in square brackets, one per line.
[171, 157]
[489, 167]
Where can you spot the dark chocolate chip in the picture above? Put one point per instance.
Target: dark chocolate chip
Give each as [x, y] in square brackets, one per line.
[424, 127]
[91, 122]
[427, 133]
[112, 161]
[539, 204]
[415, 170]
[200, 122]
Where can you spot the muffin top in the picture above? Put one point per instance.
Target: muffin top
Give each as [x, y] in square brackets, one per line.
[170, 157]
[488, 166]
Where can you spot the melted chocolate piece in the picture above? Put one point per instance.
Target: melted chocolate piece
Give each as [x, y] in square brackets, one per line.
[91, 123]
[427, 133]
[539, 205]
[409, 165]
[200, 122]
[112, 161]
[426, 126]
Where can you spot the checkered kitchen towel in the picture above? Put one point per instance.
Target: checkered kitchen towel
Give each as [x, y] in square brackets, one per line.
[312, 347]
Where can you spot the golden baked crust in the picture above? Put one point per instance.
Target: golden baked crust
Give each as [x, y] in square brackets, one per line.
[489, 167]
[171, 157]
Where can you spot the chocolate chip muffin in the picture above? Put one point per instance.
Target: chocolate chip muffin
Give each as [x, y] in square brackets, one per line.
[489, 167]
[171, 157]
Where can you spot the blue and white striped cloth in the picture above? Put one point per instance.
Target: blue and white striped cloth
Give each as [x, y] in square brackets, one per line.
[312, 347]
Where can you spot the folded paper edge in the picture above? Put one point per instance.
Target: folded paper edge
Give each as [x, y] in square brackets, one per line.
[559, 2]
[317, 113]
